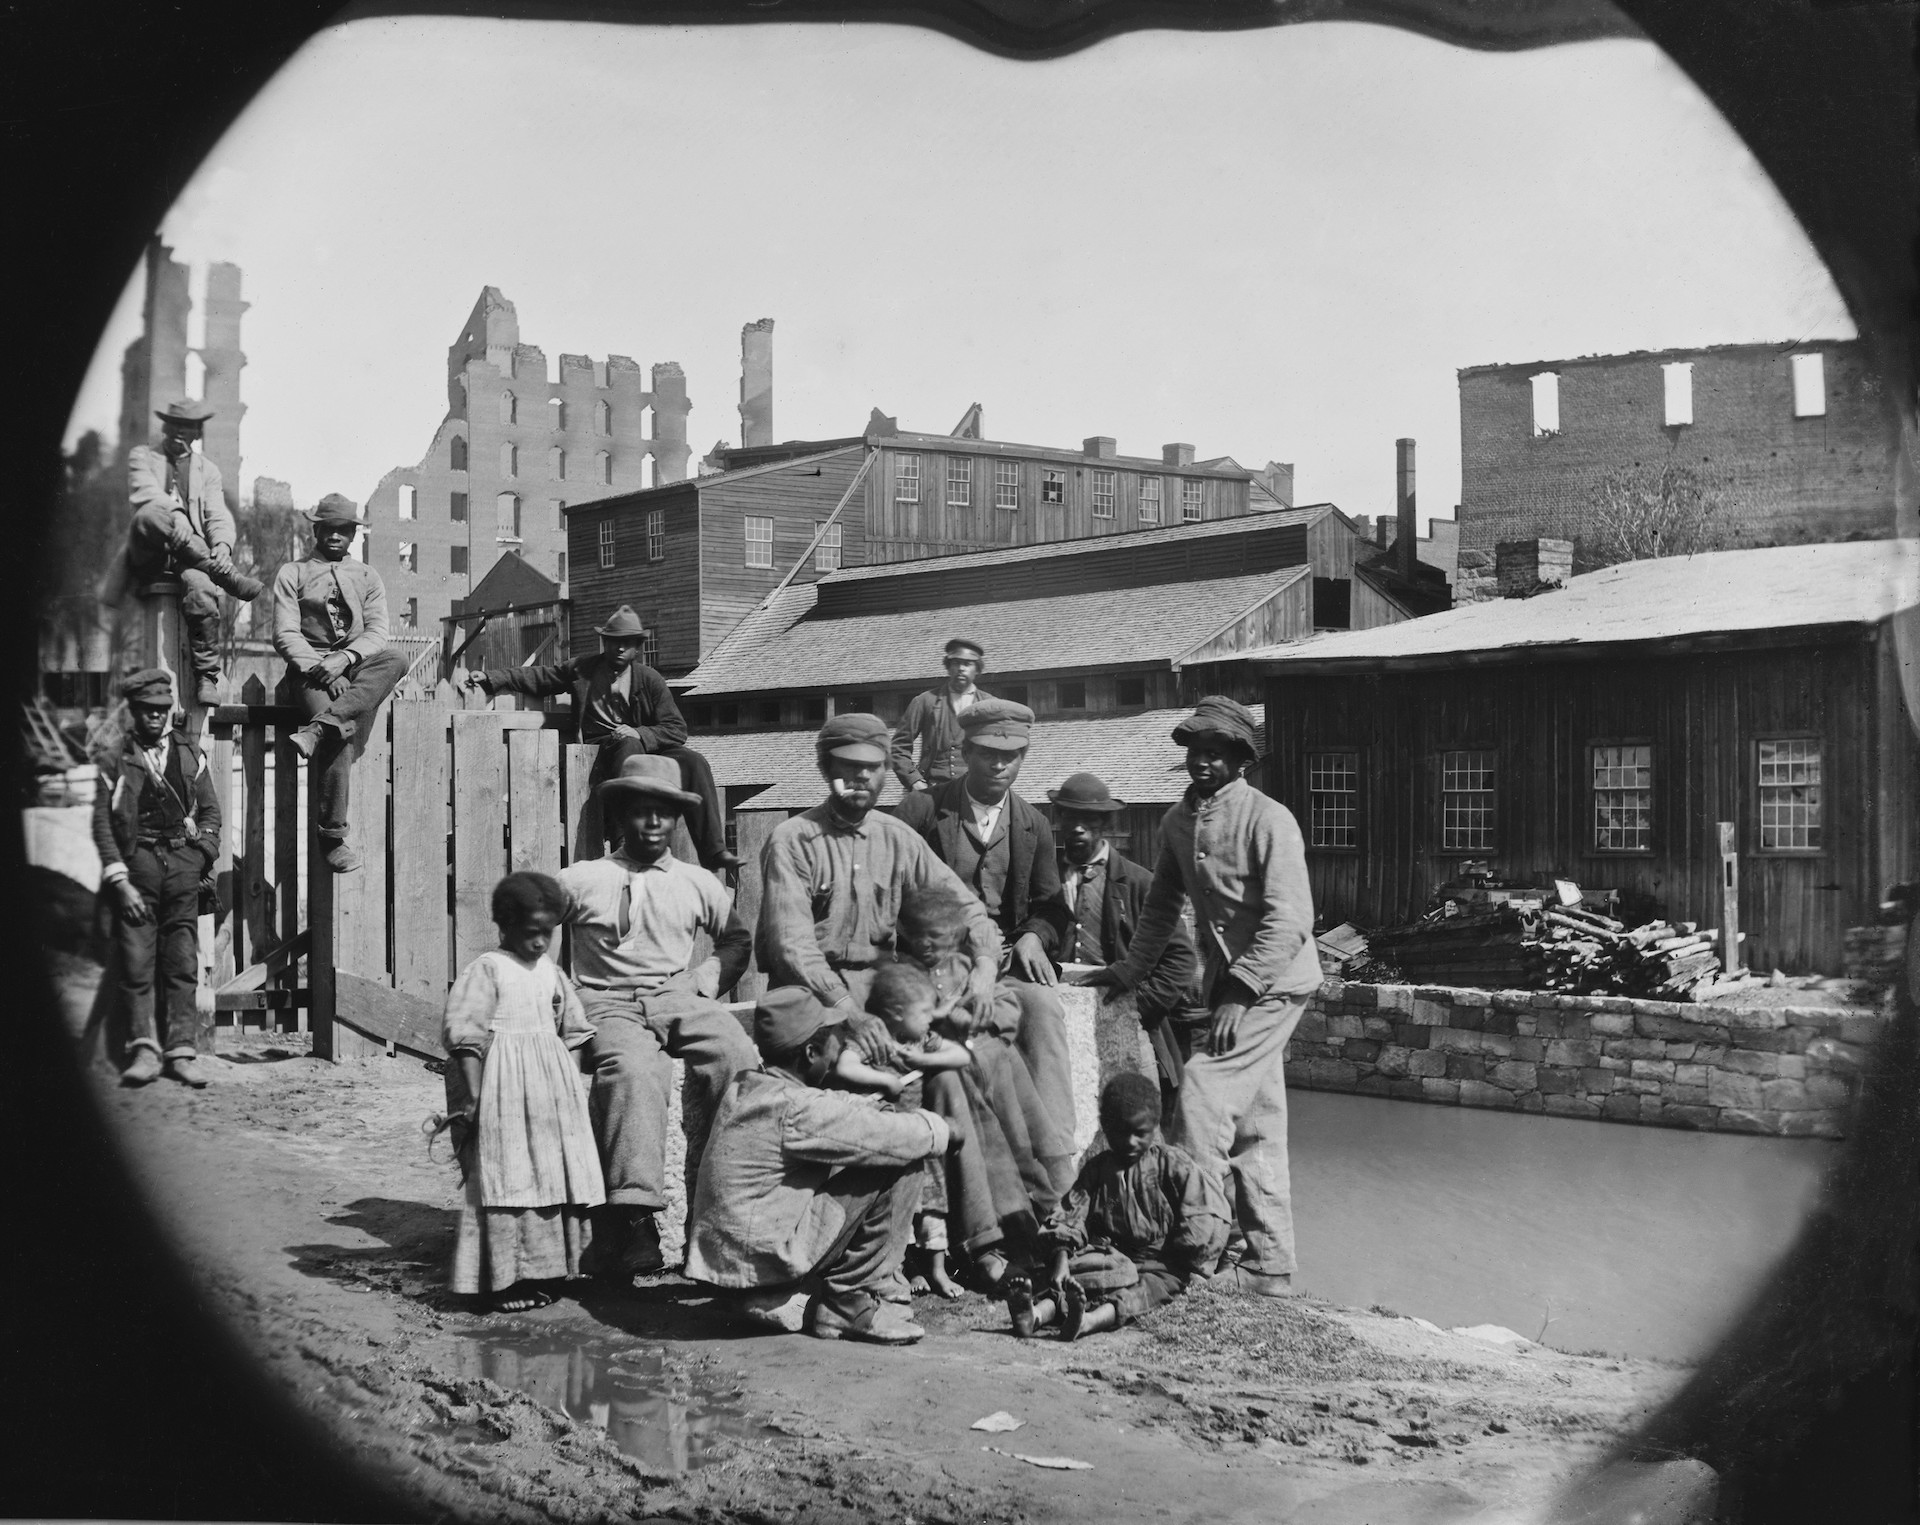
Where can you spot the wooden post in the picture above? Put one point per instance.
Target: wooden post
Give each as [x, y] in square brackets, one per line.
[286, 844]
[479, 829]
[320, 922]
[1729, 899]
[420, 839]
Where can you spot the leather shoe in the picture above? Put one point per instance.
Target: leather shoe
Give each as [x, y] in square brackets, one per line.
[1242, 1282]
[306, 740]
[206, 691]
[183, 1069]
[342, 859]
[142, 1069]
[877, 1324]
[236, 582]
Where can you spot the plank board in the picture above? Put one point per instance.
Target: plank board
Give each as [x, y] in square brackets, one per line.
[583, 814]
[479, 829]
[535, 829]
[360, 899]
[422, 909]
[382, 1016]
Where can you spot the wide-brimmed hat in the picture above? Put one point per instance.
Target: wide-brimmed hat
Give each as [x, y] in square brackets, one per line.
[337, 508]
[784, 1019]
[1221, 719]
[861, 737]
[188, 412]
[622, 624]
[151, 686]
[960, 646]
[658, 776]
[998, 723]
[1088, 792]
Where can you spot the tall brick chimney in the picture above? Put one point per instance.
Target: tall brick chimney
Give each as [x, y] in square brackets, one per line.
[1406, 548]
[756, 384]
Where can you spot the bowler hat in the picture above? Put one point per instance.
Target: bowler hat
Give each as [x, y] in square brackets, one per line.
[658, 776]
[336, 508]
[188, 412]
[1085, 791]
[1223, 719]
[785, 1018]
[998, 723]
[863, 738]
[150, 685]
[622, 624]
[959, 646]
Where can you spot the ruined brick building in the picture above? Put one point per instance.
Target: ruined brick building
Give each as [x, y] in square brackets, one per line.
[1793, 437]
[518, 446]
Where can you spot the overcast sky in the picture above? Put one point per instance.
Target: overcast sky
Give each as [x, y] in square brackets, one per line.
[1274, 245]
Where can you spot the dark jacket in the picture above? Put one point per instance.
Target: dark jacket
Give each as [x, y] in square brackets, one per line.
[930, 724]
[1033, 902]
[116, 800]
[655, 716]
[1174, 982]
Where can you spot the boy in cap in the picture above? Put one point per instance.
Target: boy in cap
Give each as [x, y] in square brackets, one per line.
[932, 720]
[156, 824]
[181, 526]
[330, 623]
[1239, 857]
[625, 708]
[806, 1196]
[635, 915]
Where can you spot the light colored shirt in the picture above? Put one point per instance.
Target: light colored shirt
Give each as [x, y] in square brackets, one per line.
[634, 925]
[962, 702]
[984, 817]
[1076, 875]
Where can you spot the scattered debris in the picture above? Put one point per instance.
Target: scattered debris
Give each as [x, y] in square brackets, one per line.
[999, 1423]
[1053, 1463]
[1341, 948]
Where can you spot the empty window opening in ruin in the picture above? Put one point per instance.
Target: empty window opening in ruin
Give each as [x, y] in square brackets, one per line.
[410, 615]
[196, 374]
[560, 565]
[606, 542]
[1053, 487]
[826, 555]
[457, 452]
[603, 467]
[507, 511]
[457, 507]
[509, 460]
[557, 464]
[407, 502]
[1546, 403]
[599, 373]
[407, 553]
[559, 507]
[457, 560]
[656, 534]
[759, 541]
[557, 412]
[509, 408]
[649, 477]
[1678, 380]
[1809, 386]
[906, 479]
[1006, 484]
[1150, 499]
[649, 423]
[603, 416]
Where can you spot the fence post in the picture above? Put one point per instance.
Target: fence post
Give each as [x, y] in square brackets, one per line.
[1729, 898]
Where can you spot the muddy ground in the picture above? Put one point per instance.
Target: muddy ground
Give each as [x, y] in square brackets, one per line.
[303, 1197]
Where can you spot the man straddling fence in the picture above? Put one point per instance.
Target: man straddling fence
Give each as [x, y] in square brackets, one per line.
[330, 623]
[932, 720]
[624, 707]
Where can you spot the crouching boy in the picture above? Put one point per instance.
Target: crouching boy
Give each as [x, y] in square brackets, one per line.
[806, 1196]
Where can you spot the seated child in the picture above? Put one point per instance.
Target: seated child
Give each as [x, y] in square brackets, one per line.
[1141, 1221]
[903, 997]
[521, 1129]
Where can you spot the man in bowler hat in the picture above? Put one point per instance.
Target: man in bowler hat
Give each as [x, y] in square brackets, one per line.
[625, 708]
[932, 720]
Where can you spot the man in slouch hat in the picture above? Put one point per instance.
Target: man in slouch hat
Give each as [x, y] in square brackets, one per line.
[933, 719]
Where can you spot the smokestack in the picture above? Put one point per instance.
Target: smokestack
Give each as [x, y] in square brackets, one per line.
[1404, 546]
[756, 384]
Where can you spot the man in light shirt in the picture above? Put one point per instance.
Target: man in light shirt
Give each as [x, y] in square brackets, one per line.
[933, 721]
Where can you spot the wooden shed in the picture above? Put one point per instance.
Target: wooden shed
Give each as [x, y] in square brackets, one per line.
[1601, 730]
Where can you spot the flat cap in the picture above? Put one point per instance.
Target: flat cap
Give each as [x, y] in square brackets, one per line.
[864, 738]
[785, 1018]
[188, 410]
[1221, 719]
[150, 685]
[997, 723]
[960, 646]
[336, 508]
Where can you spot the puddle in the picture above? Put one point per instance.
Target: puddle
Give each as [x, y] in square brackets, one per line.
[670, 1413]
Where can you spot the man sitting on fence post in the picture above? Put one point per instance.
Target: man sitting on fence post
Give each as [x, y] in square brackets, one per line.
[330, 623]
[635, 914]
[625, 708]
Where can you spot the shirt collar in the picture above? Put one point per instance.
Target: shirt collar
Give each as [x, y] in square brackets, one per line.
[1099, 857]
[664, 864]
[827, 817]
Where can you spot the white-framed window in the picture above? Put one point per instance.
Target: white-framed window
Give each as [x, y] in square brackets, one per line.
[407, 554]
[1677, 382]
[557, 464]
[407, 504]
[759, 541]
[1053, 486]
[509, 408]
[1622, 797]
[649, 646]
[959, 481]
[556, 413]
[656, 534]
[507, 516]
[606, 542]
[509, 460]
[1809, 385]
[1150, 489]
[1546, 403]
[1105, 490]
[1006, 484]
[603, 417]
[1789, 784]
[906, 479]
[826, 555]
[1333, 799]
[603, 467]
[1466, 802]
[1193, 500]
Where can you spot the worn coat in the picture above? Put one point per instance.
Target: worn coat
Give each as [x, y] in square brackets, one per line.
[1174, 981]
[116, 800]
[1033, 903]
[589, 678]
[930, 724]
[321, 606]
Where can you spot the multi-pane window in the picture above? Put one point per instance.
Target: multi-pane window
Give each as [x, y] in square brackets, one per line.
[457, 452]
[1150, 500]
[826, 555]
[759, 541]
[906, 479]
[1623, 798]
[1104, 493]
[606, 542]
[656, 534]
[507, 516]
[959, 481]
[1053, 487]
[1006, 484]
[407, 506]
[1466, 802]
[408, 555]
[557, 464]
[457, 560]
[650, 646]
[1790, 795]
[1333, 799]
[1193, 500]
[509, 460]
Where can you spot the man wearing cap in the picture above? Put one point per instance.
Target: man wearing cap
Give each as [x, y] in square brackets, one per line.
[625, 708]
[932, 720]
[1002, 849]
[330, 623]
[181, 527]
[1105, 894]
[156, 825]
[806, 1196]
[635, 915]
[1238, 856]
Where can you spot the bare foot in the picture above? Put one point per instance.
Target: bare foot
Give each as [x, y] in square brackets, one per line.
[1073, 1308]
[938, 1280]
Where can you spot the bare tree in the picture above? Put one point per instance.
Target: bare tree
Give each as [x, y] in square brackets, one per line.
[1640, 512]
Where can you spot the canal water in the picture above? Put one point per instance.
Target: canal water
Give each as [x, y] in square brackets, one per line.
[1592, 1236]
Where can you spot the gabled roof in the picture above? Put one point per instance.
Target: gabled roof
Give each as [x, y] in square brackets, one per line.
[1115, 627]
[1728, 594]
[712, 479]
[512, 582]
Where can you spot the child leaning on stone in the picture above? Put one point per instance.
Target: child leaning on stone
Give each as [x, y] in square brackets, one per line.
[1141, 1221]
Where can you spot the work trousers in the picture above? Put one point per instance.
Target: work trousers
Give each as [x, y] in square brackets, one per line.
[864, 1258]
[346, 726]
[161, 541]
[163, 952]
[1156, 1284]
[1042, 1041]
[706, 822]
[631, 1052]
[1232, 1118]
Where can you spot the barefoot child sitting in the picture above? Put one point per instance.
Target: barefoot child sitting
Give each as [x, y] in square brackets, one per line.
[1140, 1222]
[521, 1129]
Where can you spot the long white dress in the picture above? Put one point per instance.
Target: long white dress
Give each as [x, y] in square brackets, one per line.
[534, 1170]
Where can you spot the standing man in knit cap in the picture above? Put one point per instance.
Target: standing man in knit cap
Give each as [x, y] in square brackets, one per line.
[932, 720]
[330, 623]
[181, 527]
[156, 825]
[625, 708]
[1238, 856]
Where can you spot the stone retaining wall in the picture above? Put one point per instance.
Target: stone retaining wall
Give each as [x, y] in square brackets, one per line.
[1729, 1069]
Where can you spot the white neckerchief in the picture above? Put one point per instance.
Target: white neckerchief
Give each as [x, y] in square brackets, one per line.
[985, 817]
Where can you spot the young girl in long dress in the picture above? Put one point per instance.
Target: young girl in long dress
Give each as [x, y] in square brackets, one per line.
[512, 1027]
